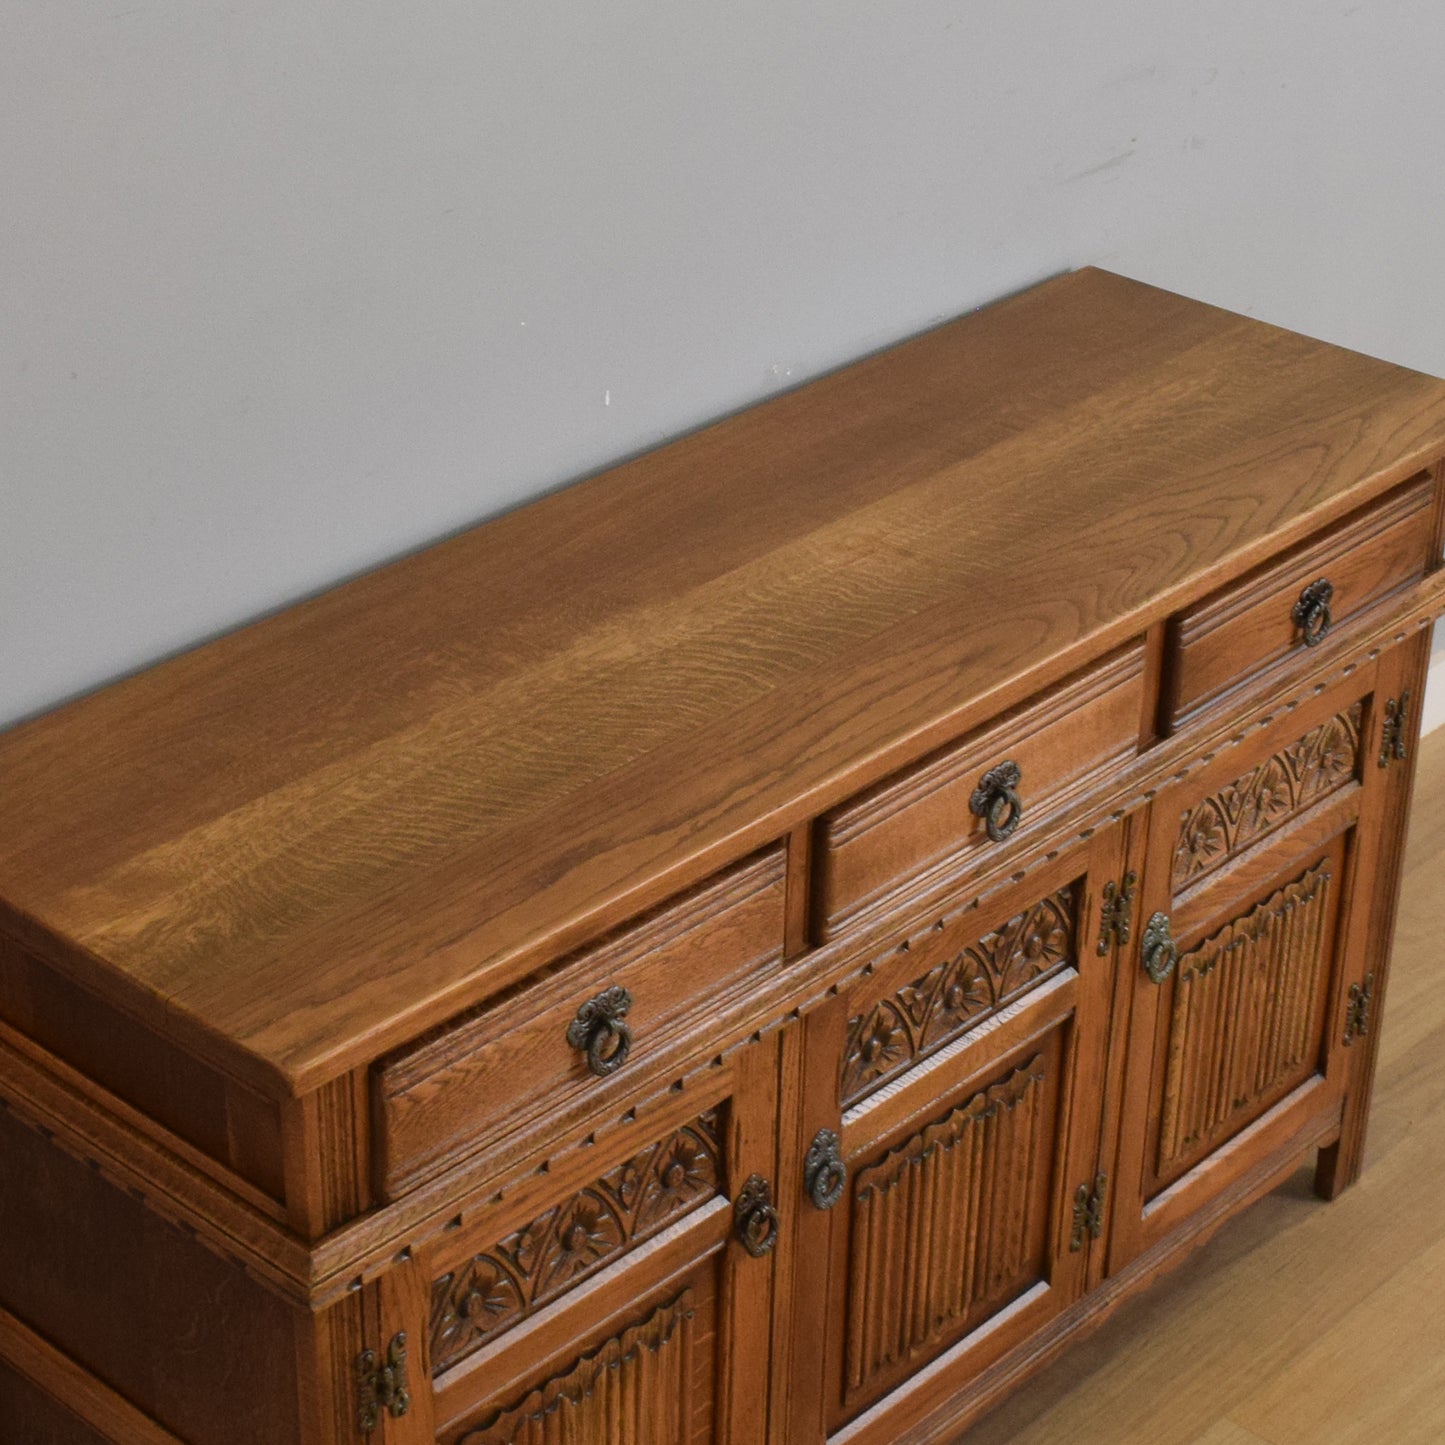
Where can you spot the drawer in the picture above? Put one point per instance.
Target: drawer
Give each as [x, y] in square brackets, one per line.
[1275, 613]
[1022, 770]
[602, 1022]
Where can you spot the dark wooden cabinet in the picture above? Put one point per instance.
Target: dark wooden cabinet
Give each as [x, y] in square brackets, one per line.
[766, 945]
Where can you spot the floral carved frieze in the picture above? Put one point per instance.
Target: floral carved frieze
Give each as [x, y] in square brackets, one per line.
[1227, 822]
[966, 985]
[492, 1290]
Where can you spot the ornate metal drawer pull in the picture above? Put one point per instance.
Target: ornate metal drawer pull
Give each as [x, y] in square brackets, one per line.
[756, 1219]
[1159, 953]
[825, 1176]
[1312, 612]
[598, 1030]
[381, 1387]
[997, 802]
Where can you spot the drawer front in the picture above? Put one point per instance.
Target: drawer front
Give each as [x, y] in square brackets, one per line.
[934, 817]
[607, 1020]
[1272, 615]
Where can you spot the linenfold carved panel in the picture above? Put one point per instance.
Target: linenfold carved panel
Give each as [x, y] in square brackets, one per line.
[1244, 1015]
[969, 983]
[944, 1222]
[503, 1284]
[631, 1390]
[1223, 825]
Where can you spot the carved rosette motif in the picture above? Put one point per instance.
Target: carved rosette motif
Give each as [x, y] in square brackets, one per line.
[1227, 822]
[491, 1291]
[958, 992]
[631, 1390]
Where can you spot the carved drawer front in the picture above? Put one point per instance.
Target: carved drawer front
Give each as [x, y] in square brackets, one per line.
[613, 1017]
[491, 1285]
[1227, 820]
[948, 975]
[1290, 608]
[982, 798]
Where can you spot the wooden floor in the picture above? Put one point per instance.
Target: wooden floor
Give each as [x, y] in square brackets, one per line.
[1301, 1323]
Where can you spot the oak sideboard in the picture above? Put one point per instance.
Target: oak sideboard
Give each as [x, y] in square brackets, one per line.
[766, 944]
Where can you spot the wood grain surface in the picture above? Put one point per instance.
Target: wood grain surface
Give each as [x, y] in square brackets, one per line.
[1301, 1323]
[308, 841]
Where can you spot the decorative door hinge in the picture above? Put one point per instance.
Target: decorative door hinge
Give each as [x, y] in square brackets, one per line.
[381, 1387]
[1397, 721]
[1357, 1009]
[1116, 915]
[1088, 1212]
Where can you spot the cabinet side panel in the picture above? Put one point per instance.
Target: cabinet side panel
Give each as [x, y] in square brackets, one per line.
[236, 1128]
[189, 1339]
[28, 1414]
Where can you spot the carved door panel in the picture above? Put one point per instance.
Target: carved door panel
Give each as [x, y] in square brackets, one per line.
[953, 1198]
[1252, 941]
[622, 1295]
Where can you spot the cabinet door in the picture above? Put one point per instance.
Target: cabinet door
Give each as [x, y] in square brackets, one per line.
[1252, 942]
[622, 1295]
[952, 1198]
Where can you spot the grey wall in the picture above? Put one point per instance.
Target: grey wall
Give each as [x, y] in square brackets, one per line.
[291, 287]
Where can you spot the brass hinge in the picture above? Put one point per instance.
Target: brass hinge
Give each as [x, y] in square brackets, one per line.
[1088, 1212]
[1116, 913]
[381, 1387]
[1392, 738]
[1357, 1010]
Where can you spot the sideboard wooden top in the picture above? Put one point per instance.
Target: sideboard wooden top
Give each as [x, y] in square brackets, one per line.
[306, 842]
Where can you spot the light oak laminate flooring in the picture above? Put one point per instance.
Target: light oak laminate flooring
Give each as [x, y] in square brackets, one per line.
[1300, 1323]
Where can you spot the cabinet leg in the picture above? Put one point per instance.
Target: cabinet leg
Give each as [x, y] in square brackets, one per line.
[1332, 1175]
[1339, 1163]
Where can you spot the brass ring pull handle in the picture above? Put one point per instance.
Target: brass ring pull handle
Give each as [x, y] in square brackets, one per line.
[599, 1031]
[997, 802]
[1311, 613]
[824, 1174]
[1160, 953]
[757, 1220]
